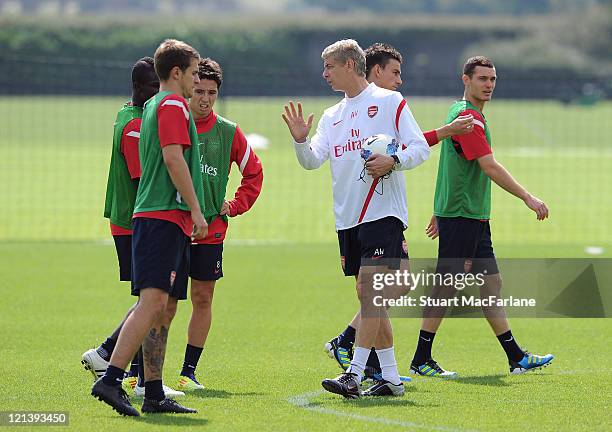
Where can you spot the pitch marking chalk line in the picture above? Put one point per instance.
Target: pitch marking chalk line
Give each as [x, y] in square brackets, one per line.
[304, 401]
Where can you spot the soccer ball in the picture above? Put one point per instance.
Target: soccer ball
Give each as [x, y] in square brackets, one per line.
[379, 144]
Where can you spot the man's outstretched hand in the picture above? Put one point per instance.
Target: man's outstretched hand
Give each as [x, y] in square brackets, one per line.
[298, 128]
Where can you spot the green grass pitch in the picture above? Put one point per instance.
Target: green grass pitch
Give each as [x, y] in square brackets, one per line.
[283, 295]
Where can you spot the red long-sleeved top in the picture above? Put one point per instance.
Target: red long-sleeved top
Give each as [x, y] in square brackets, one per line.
[252, 179]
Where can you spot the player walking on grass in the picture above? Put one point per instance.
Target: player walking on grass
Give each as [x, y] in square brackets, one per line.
[369, 224]
[123, 177]
[221, 143]
[462, 207]
[383, 68]
[166, 209]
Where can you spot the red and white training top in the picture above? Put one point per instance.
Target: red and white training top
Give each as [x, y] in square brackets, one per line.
[251, 170]
[340, 134]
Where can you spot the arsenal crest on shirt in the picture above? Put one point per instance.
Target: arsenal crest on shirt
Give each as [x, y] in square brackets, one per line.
[372, 111]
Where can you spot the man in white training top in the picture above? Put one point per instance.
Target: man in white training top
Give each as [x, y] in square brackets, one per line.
[371, 214]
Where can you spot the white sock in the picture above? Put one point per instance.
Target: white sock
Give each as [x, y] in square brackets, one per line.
[386, 358]
[360, 358]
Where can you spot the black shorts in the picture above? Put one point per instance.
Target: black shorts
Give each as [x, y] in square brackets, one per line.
[206, 262]
[464, 239]
[382, 238]
[123, 245]
[160, 257]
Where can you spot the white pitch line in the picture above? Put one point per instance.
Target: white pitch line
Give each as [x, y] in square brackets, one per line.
[304, 401]
[549, 147]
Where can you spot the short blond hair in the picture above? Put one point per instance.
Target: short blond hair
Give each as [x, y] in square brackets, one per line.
[346, 49]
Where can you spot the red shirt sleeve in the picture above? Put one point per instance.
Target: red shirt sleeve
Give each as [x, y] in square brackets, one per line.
[474, 145]
[431, 137]
[129, 146]
[252, 175]
[173, 121]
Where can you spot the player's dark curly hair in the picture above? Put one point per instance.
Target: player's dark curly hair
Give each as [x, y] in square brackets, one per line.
[172, 53]
[472, 62]
[141, 70]
[380, 54]
[210, 69]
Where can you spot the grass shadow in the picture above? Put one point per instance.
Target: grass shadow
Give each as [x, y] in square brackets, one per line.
[172, 419]
[220, 394]
[381, 401]
[369, 402]
[486, 380]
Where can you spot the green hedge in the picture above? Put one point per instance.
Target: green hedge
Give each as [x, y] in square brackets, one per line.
[285, 51]
[243, 42]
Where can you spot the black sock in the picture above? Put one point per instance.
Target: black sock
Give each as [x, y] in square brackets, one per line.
[135, 365]
[346, 339]
[154, 390]
[423, 351]
[192, 357]
[513, 351]
[373, 360]
[106, 349]
[113, 376]
[141, 379]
